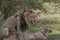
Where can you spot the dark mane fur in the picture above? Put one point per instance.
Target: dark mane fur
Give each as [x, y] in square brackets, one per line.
[23, 24]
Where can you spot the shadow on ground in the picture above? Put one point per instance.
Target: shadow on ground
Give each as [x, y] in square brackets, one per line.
[54, 37]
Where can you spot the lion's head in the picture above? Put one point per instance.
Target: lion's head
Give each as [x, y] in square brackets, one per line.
[26, 17]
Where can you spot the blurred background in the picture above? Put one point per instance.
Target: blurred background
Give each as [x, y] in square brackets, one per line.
[47, 12]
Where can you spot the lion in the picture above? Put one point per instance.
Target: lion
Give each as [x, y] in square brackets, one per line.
[43, 34]
[10, 27]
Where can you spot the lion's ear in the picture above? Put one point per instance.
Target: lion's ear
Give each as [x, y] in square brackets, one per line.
[30, 10]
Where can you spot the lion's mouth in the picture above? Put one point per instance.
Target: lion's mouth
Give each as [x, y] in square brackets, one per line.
[33, 21]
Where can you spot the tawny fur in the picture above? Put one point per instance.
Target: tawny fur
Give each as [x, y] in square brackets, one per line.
[10, 25]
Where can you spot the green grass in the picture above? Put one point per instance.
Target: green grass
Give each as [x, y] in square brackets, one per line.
[1, 22]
